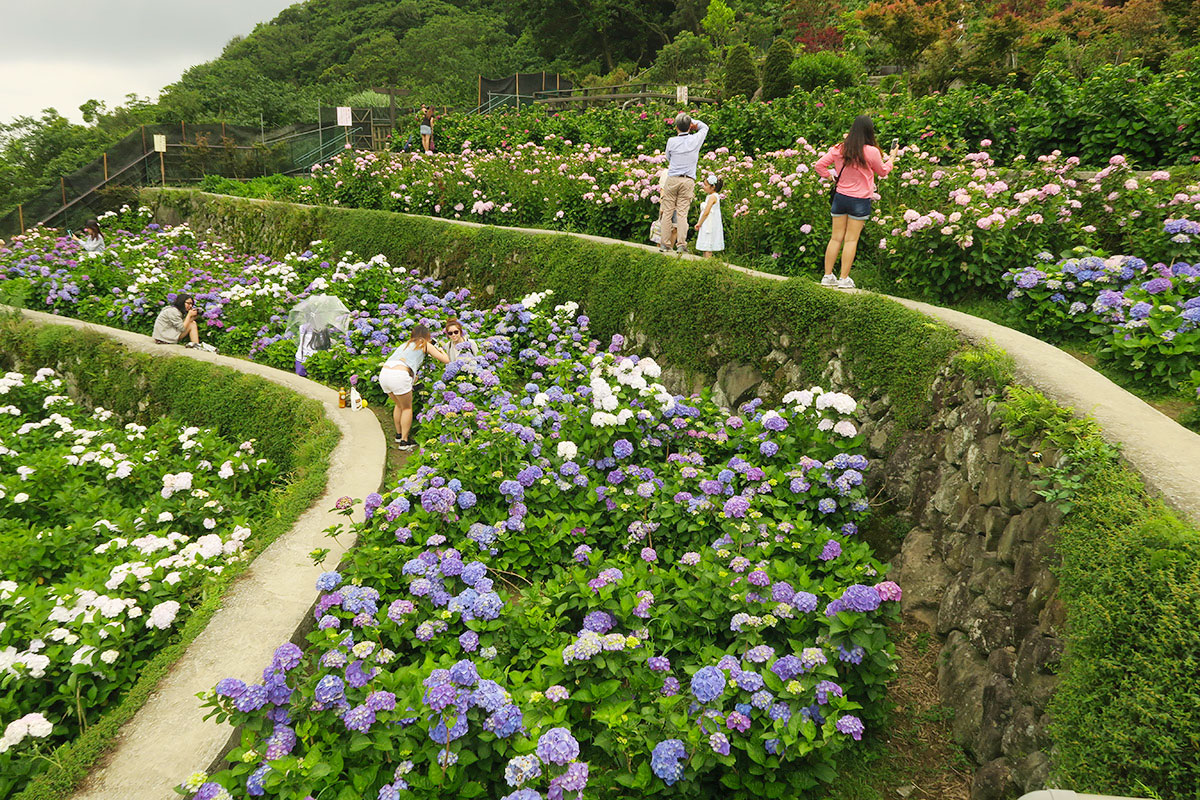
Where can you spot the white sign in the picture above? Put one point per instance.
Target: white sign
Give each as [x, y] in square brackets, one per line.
[681, 95]
[343, 116]
[160, 143]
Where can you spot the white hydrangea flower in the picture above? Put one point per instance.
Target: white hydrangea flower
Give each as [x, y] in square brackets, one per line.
[845, 428]
[163, 615]
[566, 450]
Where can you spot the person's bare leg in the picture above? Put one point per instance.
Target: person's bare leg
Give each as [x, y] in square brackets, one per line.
[707, 254]
[395, 398]
[835, 243]
[191, 331]
[404, 414]
[850, 244]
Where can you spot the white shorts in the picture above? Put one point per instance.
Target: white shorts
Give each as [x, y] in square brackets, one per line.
[396, 380]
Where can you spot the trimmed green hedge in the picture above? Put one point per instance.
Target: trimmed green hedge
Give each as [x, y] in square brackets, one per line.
[692, 310]
[290, 430]
[1125, 716]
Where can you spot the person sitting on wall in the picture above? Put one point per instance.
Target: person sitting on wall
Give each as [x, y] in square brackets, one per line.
[177, 321]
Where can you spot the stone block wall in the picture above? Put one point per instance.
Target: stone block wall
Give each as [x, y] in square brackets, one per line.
[976, 567]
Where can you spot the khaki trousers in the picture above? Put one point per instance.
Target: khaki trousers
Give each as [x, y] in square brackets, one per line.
[676, 199]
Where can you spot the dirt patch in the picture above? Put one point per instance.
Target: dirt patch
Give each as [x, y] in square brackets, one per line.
[920, 744]
[916, 759]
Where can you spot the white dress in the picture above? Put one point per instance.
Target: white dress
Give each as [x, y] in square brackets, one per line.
[710, 236]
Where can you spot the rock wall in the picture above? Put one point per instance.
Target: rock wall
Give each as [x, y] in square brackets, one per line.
[976, 565]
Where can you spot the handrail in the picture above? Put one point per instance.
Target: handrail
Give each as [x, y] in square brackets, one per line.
[1067, 794]
[321, 153]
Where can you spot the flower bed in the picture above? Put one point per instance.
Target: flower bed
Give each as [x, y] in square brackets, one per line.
[109, 533]
[945, 230]
[583, 580]
[1145, 317]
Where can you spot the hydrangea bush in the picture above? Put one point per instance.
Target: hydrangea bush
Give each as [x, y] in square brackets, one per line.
[1145, 316]
[108, 534]
[946, 229]
[583, 582]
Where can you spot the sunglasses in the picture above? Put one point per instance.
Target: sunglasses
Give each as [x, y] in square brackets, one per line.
[453, 333]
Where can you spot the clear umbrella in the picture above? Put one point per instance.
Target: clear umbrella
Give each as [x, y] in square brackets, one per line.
[317, 313]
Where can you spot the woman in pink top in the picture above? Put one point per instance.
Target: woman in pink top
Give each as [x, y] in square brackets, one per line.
[856, 162]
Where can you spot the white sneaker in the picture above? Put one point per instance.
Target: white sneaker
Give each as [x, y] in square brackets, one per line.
[829, 280]
[845, 283]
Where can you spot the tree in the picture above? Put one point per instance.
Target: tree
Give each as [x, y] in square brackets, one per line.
[905, 26]
[718, 22]
[687, 59]
[741, 79]
[777, 72]
[812, 25]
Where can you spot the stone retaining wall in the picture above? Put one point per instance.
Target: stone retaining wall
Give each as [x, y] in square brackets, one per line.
[975, 566]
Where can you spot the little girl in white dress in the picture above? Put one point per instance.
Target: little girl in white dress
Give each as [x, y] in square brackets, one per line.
[710, 235]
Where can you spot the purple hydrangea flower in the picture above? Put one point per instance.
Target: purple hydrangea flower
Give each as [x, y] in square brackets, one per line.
[851, 725]
[598, 621]
[858, 597]
[557, 746]
[831, 551]
[736, 507]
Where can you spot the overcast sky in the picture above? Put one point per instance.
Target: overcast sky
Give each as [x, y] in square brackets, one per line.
[61, 53]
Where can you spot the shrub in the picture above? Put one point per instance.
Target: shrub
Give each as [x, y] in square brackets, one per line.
[813, 70]
[1124, 715]
[777, 75]
[741, 78]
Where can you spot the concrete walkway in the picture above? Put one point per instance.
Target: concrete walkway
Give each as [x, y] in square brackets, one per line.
[168, 739]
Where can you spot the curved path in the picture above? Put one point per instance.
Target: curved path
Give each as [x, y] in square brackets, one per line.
[1163, 452]
[168, 739]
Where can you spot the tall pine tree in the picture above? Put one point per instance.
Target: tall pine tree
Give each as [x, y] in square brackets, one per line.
[777, 73]
[741, 79]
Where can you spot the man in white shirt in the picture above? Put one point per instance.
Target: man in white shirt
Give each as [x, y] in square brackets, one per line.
[683, 153]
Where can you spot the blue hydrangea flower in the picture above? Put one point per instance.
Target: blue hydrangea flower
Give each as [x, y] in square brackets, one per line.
[664, 760]
[707, 684]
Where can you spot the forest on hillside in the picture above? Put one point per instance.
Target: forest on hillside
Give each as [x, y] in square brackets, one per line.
[329, 51]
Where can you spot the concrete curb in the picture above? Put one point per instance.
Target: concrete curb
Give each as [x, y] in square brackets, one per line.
[168, 739]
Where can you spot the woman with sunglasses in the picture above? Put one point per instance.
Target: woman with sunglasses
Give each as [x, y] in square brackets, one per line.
[397, 374]
[460, 348]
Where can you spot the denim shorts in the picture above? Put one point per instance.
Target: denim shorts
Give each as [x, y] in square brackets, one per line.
[853, 207]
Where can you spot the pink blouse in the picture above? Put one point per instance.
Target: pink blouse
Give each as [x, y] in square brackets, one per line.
[855, 181]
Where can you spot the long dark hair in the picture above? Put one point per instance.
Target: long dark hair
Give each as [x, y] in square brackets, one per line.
[420, 334]
[180, 300]
[862, 133]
